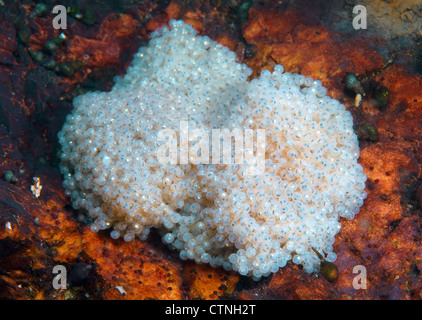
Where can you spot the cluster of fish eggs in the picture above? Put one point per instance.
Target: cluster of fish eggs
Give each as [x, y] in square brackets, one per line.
[214, 213]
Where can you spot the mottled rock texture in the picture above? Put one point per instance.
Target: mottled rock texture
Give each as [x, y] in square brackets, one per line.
[38, 233]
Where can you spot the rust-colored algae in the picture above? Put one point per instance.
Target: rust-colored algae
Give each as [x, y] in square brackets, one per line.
[38, 233]
[207, 283]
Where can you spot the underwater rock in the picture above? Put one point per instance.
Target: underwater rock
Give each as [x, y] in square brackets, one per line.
[274, 210]
[147, 269]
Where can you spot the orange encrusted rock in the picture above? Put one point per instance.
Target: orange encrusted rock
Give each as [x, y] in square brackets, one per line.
[38, 233]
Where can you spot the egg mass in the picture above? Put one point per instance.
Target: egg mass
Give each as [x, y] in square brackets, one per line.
[215, 213]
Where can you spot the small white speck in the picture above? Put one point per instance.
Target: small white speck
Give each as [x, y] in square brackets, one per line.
[36, 187]
[358, 99]
[121, 290]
